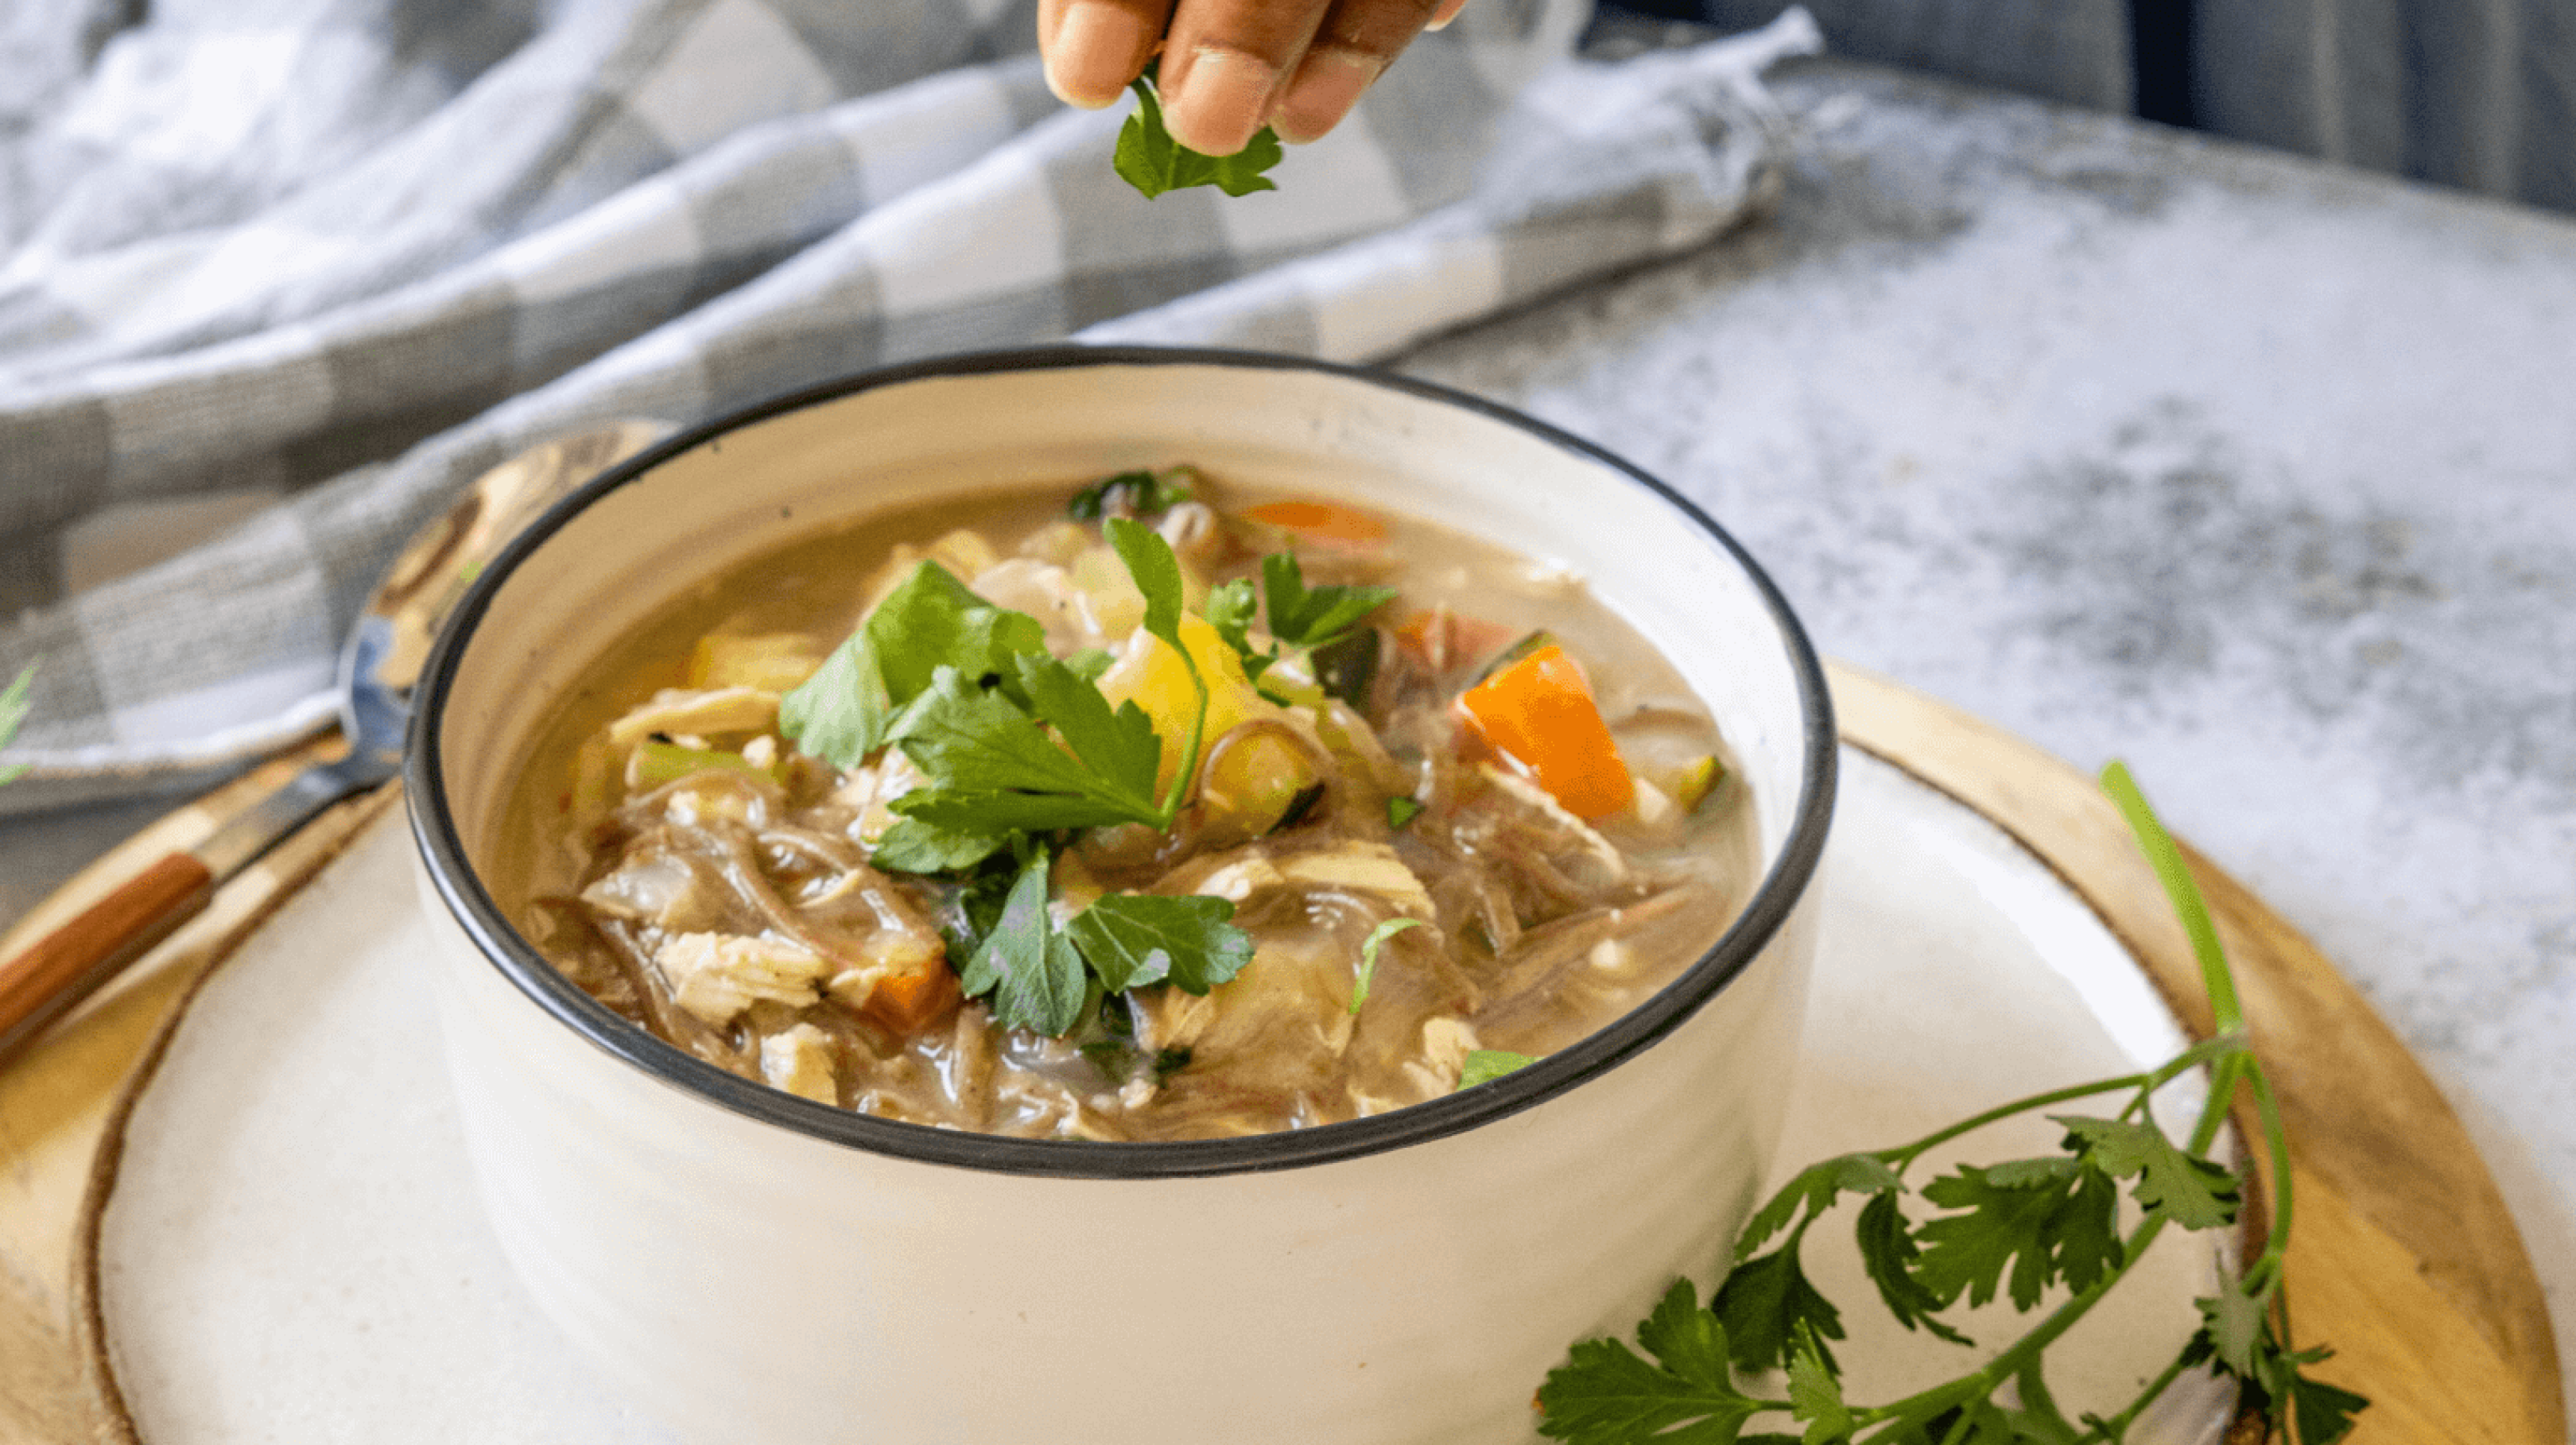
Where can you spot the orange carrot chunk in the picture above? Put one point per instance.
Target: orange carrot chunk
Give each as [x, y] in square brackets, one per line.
[907, 1003]
[1539, 712]
[1321, 522]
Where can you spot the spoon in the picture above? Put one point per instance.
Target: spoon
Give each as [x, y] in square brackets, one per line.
[378, 666]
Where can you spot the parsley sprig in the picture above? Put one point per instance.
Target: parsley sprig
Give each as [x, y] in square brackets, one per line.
[13, 711]
[2018, 1228]
[1303, 619]
[1151, 161]
[1018, 748]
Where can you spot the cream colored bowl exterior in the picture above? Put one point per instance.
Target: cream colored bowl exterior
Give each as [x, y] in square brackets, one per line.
[752, 1282]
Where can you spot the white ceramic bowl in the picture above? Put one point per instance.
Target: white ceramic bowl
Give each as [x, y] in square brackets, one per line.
[756, 1267]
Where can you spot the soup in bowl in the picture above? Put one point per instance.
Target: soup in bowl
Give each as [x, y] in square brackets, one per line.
[1157, 895]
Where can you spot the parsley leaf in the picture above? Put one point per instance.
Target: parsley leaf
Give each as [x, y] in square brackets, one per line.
[1606, 1394]
[1130, 493]
[994, 770]
[1766, 1302]
[846, 709]
[913, 846]
[1888, 1253]
[1151, 161]
[1368, 956]
[1401, 810]
[1230, 609]
[2187, 1189]
[1483, 1066]
[2049, 1219]
[1032, 970]
[1813, 1190]
[1816, 1391]
[1133, 939]
[1303, 616]
[13, 711]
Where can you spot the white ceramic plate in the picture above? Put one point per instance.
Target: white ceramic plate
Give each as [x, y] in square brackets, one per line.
[292, 1250]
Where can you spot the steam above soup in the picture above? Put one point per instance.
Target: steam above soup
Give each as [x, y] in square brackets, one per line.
[1143, 816]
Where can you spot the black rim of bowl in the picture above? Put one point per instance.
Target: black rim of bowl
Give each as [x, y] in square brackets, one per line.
[434, 830]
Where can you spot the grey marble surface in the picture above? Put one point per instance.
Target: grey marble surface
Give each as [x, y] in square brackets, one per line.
[2256, 473]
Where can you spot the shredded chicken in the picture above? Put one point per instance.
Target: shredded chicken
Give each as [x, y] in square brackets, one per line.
[718, 975]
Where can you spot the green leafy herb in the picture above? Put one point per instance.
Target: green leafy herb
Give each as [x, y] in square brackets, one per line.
[1401, 810]
[1130, 494]
[913, 846]
[1311, 617]
[1151, 161]
[13, 711]
[1483, 1066]
[992, 769]
[1032, 971]
[1368, 956]
[845, 710]
[2021, 1228]
[1133, 939]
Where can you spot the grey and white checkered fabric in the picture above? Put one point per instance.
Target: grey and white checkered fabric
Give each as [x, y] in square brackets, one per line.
[303, 267]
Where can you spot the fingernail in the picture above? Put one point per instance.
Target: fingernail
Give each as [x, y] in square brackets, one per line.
[1327, 86]
[1447, 12]
[1096, 49]
[1223, 98]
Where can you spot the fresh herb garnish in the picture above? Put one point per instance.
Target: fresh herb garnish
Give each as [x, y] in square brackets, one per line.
[1014, 747]
[13, 711]
[1401, 810]
[1137, 493]
[1303, 616]
[1151, 161]
[843, 712]
[1368, 956]
[1318, 621]
[2018, 1228]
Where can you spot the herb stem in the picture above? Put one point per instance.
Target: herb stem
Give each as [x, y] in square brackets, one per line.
[2118, 1425]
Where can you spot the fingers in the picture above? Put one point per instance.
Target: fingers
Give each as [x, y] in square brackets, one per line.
[1224, 64]
[1094, 47]
[1353, 46]
[1232, 66]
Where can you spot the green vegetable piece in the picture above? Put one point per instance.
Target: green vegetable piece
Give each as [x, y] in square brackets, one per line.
[1231, 608]
[1091, 662]
[1606, 1394]
[1401, 810]
[1346, 667]
[1031, 970]
[1151, 161]
[1518, 650]
[1888, 1254]
[1368, 956]
[1134, 939]
[848, 708]
[13, 711]
[1483, 1066]
[1696, 781]
[1816, 1391]
[657, 762]
[1303, 616]
[1300, 803]
[1136, 493]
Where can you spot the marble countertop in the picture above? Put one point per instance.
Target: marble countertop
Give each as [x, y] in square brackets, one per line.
[2257, 473]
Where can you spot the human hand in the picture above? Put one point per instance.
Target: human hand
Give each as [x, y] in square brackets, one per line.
[1232, 66]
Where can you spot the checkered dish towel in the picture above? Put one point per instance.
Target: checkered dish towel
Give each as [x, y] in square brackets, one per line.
[312, 272]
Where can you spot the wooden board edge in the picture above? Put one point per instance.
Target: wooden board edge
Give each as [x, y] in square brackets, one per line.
[2416, 1271]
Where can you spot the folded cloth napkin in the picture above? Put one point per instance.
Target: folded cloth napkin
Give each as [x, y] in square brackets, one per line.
[310, 266]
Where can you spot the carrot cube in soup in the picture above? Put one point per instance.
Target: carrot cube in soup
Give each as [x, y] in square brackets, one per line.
[1539, 712]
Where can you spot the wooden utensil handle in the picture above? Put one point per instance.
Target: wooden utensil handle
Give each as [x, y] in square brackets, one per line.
[68, 964]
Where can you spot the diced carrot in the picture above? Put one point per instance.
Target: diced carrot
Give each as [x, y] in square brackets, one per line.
[1539, 712]
[1441, 639]
[1321, 522]
[907, 1003]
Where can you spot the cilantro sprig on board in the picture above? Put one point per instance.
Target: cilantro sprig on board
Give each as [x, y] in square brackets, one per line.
[2021, 1229]
[1017, 748]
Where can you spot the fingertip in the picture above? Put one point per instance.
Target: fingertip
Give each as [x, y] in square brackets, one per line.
[1447, 12]
[1220, 99]
[1328, 84]
[1098, 48]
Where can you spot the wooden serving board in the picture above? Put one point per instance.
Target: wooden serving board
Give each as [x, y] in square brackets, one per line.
[2404, 1255]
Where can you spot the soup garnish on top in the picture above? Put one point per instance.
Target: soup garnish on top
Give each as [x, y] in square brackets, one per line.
[1150, 818]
